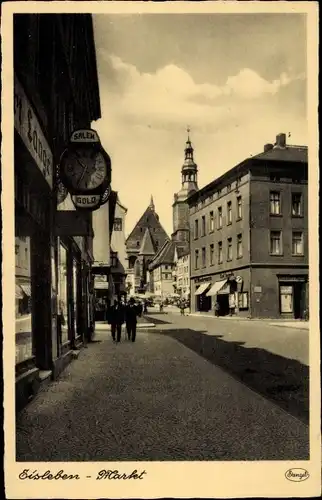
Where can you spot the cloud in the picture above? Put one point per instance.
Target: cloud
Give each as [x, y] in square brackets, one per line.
[171, 96]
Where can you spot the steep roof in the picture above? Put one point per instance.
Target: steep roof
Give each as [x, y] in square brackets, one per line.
[149, 220]
[296, 154]
[165, 255]
[147, 247]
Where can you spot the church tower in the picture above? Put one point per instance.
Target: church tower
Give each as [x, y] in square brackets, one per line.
[189, 174]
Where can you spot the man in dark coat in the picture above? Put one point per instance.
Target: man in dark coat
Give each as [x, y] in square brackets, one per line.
[116, 320]
[131, 314]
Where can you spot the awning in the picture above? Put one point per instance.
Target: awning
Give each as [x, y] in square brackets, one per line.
[19, 293]
[216, 287]
[101, 286]
[26, 288]
[202, 288]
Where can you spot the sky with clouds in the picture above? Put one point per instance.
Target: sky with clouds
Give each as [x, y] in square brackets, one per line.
[236, 80]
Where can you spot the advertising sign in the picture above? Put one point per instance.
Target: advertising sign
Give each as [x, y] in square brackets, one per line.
[29, 129]
[85, 170]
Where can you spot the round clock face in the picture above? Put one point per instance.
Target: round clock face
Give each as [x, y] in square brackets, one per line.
[85, 168]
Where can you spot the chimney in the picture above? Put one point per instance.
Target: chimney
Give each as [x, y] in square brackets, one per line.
[281, 140]
[268, 147]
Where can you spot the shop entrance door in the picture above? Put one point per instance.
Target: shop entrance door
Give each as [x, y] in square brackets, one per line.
[203, 302]
[223, 301]
[299, 300]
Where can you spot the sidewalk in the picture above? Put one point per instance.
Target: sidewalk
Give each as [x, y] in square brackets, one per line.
[296, 323]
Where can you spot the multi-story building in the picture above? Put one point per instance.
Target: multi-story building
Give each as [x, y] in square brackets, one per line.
[181, 272]
[161, 271]
[118, 251]
[55, 92]
[249, 236]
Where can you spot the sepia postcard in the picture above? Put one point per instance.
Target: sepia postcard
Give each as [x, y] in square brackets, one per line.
[160, 249]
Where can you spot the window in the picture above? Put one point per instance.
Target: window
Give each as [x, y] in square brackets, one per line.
[228, 188]
[196, 229]
[196, 259]
[203, 257]
[286, 298]
[243, 300]
[166, 267]
[203, 225]
[297, 243]
[239, 207]
[118, 224]
[219, 252]
[211, 222]
[229, 213]
[275, 203]
[211, 254]
[219, 217]
[276, 243]
[296, 204]
[239, 246]
[229, 249]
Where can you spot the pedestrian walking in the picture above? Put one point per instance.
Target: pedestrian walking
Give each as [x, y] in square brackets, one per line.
[145, 308]
[131, 314]
[217, 308]
[182, 307]
[116, 320]
[161, 307]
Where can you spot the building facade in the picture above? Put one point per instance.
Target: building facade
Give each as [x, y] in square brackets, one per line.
[118, 251]
[142, 244]
[249, 237]
[181, 273]
[55, 92]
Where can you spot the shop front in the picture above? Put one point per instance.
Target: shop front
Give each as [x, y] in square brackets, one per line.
[202, 301]
[35, 293]
[293, 296]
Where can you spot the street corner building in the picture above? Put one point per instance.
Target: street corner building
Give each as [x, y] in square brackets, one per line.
[55, 92]
[249, 237]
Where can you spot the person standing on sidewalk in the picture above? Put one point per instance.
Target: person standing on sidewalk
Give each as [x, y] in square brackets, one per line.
[131, 314]
[116, 320]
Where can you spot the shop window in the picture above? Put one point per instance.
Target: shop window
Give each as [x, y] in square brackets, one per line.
[220, 258]
[211, 222]
[243, 300]
[196, 259]
[118, 224]
[23, 299]
[239, 207]
[211, 254]
[286, 298]
[203, 225]
[275, 203]
[75, 296]
[297, 204]
[229, 213]
[276, 243]
[229, 249]
[203, 257]
[219, 217]
[239, 246]
[62, 295]
[297, 243]
[196, 229]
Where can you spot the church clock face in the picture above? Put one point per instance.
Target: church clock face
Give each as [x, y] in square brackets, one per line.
[84, 168]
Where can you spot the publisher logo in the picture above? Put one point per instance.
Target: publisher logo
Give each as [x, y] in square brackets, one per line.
[297, 475]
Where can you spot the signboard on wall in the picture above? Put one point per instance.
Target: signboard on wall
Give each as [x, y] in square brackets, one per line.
[28, 127]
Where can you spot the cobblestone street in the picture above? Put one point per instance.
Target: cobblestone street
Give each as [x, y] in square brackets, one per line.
[155, 399]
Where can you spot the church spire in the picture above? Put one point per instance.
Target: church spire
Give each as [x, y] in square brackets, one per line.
[151, 206]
